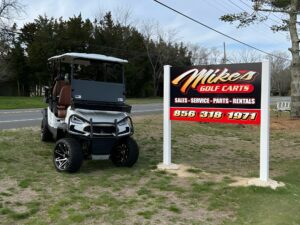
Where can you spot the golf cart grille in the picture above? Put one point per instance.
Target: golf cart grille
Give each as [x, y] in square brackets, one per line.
[101, 129]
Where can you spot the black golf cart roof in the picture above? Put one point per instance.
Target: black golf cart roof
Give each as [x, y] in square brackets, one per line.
[72, 56]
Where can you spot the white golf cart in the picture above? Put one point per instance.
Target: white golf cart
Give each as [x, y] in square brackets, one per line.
[86, 113]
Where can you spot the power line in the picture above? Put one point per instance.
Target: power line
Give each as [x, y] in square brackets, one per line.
[224, 6]
[264, 23]
[217, 31]
[225, 10]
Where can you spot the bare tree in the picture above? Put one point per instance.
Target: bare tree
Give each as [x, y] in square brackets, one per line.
[215, 56]
[200, 55]
[9, 9]
[245, 56]
[281, 74]
[156, 41]
[123, 16]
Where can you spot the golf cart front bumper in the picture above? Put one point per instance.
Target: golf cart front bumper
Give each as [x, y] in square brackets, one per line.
[89, 129]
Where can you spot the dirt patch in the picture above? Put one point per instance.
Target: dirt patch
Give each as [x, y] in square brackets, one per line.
[283, 123]
[185, 171]
[14, 197]
[7, 183]
[18, 196]
[246, 182]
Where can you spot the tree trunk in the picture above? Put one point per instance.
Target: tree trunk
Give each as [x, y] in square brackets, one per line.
[295, 68]
[18, 86]
[154, 82]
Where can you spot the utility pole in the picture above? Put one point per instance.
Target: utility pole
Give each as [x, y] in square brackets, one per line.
[224, 60]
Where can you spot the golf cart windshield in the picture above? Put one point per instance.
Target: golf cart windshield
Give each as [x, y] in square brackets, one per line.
[97, 81]
[103, 72]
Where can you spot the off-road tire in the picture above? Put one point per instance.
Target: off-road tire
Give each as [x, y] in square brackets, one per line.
[70, 149]
[46, 135]
[125, 153]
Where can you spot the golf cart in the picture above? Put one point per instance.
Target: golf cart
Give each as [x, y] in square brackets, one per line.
[86, 114]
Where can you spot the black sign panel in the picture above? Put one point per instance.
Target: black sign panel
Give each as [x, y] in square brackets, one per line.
[227, 86]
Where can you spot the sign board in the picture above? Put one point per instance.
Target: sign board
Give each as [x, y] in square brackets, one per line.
[229, 93]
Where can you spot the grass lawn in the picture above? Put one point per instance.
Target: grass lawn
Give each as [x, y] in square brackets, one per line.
[37, 102]
[32, 192]
[11, 102]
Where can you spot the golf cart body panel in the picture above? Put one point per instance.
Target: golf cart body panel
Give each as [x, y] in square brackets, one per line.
[87, 106]
[97, 124]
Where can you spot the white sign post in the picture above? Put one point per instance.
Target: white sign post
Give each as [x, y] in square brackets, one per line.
[265, 122]
[167, 121]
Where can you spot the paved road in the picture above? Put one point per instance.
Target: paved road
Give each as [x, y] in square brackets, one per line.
[32, 117]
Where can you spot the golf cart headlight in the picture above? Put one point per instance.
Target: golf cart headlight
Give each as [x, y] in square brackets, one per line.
[76, 120]
[123, 122]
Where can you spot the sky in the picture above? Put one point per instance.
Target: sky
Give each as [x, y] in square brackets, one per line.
[206, 11]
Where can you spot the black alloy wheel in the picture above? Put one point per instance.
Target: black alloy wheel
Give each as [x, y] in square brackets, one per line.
[67, 155]
[125, 153]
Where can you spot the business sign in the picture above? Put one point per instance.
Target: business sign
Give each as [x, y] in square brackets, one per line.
[228, 93]
[233, 93]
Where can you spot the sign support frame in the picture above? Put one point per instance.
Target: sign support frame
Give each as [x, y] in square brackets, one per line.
[265, 122]
[167, 156]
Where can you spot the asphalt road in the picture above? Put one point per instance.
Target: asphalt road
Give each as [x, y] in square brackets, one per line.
[32, 117]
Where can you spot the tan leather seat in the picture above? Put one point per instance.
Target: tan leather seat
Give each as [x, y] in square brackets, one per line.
[57, 87]
[64, 101]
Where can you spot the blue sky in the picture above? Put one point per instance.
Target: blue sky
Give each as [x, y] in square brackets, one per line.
[206, 11]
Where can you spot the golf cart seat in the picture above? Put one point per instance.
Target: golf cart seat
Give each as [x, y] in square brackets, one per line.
[64, 101]
[57, 88]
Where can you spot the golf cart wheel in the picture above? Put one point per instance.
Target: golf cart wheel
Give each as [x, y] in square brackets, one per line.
[125, 153]
[67, 155]
[45, 132]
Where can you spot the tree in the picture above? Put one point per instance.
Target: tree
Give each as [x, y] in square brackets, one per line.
[19, 69]
[290, 8]
[200, 55]
[162, 49]
[44, 37]
[280, 73]
[245, 56]
[8, 10]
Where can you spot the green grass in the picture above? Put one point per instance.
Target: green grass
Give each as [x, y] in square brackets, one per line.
[37, 102]
[32, 192]
[21, 102]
